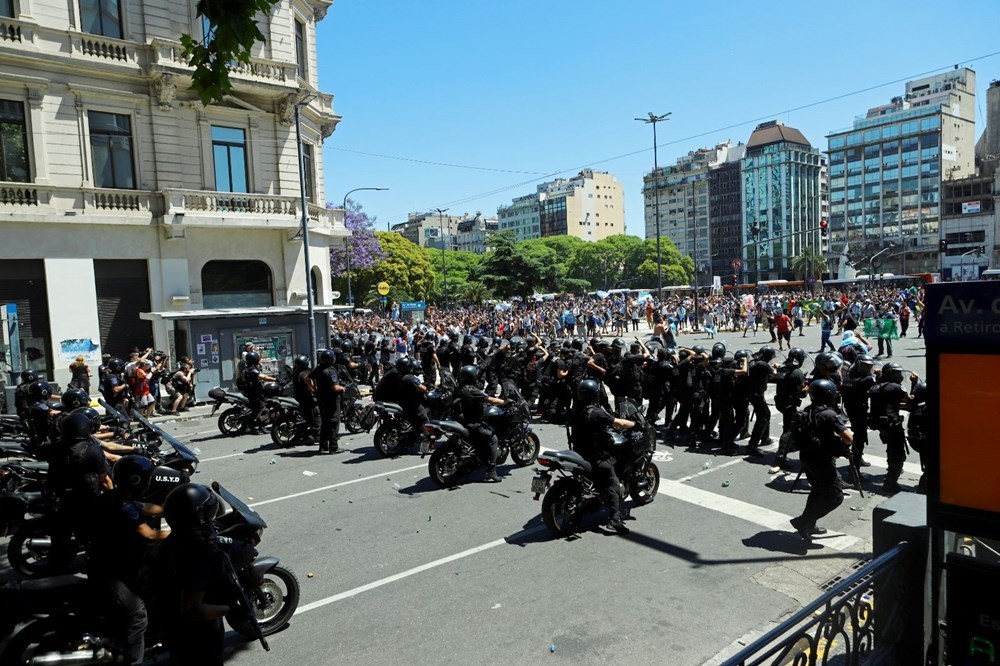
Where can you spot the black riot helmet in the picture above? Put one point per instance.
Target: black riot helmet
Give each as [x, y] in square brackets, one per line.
[271, 389]
[577, 344]
[325, 357]
[453, 336]
[588, 392]
[863, 366]
[699, 350]
[347, 347]
[635, 348]
[116, 365]
[467, 340]
[75, 427]
[483, 343]
[336, 342]
[29, 377]
[73, 398]
[468, 375]
[892, 372]
[131, 475]
[719, 350]
[742, 354]
[300, 362]
[403, 365]
[618, 343]
[919, 392]
[191, 507]
[517, 342]
[92, 414]
[595, 342]
[252, 359]
[797, 356]
[40, 390]
[829, 363]
[823, 392]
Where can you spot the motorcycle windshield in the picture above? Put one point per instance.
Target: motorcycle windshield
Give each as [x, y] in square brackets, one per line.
[251, 517]
[179, 447]
[111, 411]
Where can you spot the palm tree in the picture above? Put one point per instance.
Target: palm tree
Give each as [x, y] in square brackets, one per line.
[809, 262]
[476, 292]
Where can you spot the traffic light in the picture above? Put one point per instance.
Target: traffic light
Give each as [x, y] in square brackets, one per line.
[736, 279]
[944, 245]
[823, 228]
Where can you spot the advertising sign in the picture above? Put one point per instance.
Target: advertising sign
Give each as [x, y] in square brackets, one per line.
[971, 207]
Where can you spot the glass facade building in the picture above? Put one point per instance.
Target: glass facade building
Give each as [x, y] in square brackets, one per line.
[782, 200]
[885, 183]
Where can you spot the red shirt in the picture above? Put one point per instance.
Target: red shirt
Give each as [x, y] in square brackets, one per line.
[783, 323]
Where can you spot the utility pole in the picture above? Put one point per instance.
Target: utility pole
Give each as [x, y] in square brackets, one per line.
[652, 119]
[444, 270]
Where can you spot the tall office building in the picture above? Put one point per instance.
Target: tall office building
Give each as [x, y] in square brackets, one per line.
[590, 206]
[134, 215]
[782, 199]
[684, 201]
[431, 229]
[725, 214]
[886, 173]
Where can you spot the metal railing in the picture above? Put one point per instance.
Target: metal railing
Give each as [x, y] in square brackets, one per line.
[841, 625]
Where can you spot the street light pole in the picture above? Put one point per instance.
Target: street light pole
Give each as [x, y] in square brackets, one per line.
[444, 270]
[304, 205]
[347, 245]
[652, 120]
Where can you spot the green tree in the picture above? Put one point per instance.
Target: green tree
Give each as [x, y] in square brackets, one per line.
[677, 268]
[405, 268]
[508, 270]
[809, 261]
[233, 32]
[476, 293]
[459, 266]
[609, 261]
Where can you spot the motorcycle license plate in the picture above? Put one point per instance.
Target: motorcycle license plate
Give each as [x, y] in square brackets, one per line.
[425, 445]
[538, 485]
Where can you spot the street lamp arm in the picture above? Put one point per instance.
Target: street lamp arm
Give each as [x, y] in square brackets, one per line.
[347, 246]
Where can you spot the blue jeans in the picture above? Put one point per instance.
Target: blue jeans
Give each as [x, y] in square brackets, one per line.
[826, 341]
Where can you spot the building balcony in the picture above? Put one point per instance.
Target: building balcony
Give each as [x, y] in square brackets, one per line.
[35, 40]
[14, 31]
[31, 202]
[208, 208]
[168, 56]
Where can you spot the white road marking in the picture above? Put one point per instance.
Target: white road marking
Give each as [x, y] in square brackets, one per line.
[231, 455]
[414, 571]
[337, 485]
[709, 470]
[746, 511]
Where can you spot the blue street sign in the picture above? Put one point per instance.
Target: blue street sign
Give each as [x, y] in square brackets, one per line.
[409, 306]
[384, 299]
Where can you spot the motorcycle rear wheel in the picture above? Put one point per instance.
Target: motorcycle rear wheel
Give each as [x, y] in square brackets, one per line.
[232, 423]
[284, 432]
[28, 558]
[524, 450]
[445, 466]
[388, 439]
[559, 508]
[650, 480]
[353, 420]
[280, 593]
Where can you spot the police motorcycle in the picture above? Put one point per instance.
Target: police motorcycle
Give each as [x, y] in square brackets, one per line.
[64, 625]
[236, 420]
[29, 515]
[395, 433]
[573, 494]
[452, 453]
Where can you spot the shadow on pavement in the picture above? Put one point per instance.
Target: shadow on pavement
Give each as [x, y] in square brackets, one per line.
[774, 541]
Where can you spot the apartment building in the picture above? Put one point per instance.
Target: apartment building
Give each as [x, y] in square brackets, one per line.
[590, 206]
[131, 214]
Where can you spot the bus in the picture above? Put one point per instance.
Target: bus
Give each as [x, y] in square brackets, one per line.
[882, 279]
[990, 274]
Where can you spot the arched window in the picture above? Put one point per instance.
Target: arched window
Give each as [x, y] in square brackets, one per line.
[236, 284]
[316, 279]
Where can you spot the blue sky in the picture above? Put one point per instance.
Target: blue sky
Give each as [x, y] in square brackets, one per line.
[521, 89]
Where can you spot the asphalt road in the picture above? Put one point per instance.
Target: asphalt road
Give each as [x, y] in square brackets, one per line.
[468, 576]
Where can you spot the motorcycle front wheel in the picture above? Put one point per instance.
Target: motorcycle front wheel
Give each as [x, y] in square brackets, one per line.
[524, 450]
[231, 422]
[274, 603]
[284, 432]
[647, 483]
[353, 420]
[559, 508]
[445, 465]
[388, 439]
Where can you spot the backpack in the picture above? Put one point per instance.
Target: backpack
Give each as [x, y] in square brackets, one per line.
[614, 378]
[803, 433]
[240, 379]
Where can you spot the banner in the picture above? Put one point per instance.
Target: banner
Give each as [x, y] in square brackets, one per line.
[882, 328]
[70, 349]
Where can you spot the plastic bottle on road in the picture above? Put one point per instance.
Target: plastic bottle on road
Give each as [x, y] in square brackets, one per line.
[708, 463]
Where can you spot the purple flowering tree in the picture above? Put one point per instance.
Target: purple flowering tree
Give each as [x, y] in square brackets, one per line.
[364, 248]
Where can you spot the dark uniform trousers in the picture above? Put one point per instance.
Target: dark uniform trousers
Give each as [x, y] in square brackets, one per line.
[825, 492]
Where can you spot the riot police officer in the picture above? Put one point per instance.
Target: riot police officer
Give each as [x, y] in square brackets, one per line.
[253, 387]
[822, 434]
[472, 402]
[760, 373]
[588, 435]
[918, 428]
[305, 393]
[887, 399]
[791, 385]
[326, 379]
[855, 388]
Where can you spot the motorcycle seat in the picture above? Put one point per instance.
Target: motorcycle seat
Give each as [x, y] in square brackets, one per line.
[572, 457]
[453, 427]
[34, 465]
[290, 402]
[389, 406]
[52, 585]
